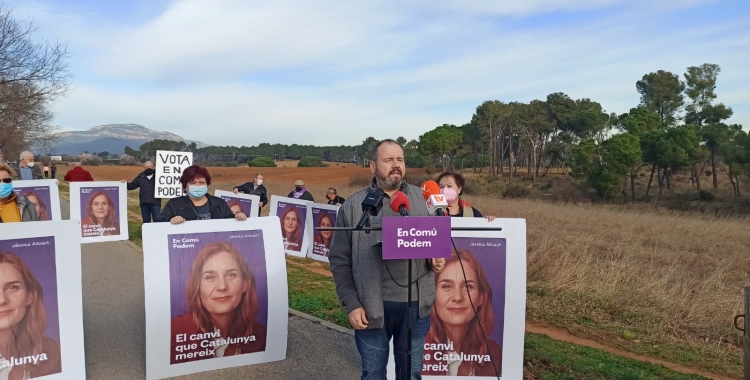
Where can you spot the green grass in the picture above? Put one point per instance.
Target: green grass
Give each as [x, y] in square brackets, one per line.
[549, 359]
[545, 358]
[134, 232]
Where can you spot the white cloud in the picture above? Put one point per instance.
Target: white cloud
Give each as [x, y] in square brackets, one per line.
[335, 73]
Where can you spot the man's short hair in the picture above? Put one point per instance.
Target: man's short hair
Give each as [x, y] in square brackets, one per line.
[374, 153]
[25, 153]
[332, 190]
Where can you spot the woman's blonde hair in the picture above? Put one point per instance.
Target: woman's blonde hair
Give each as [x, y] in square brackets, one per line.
[109, 220]
[29, 332]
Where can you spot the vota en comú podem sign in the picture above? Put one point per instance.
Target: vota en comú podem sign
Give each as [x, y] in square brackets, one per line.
[169, 167]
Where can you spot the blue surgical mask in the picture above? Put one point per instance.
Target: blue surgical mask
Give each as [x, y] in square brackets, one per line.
[197, 192]
[5, 189]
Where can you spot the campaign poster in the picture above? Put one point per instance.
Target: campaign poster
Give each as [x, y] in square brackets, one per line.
[292, 215]
[45, 196]
[227, 295]
[168, 168]
[480, 301]
[40, 274]
[247, 203]
[101, 207]
[320, 215]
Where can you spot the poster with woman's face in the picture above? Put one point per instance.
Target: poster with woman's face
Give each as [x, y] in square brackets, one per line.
[102, 209]
[292, 215]
[28, 309]
[246, 203]
[477, 320]
[320, 215]
[43, 194]
[216, 295]
[41, 311]
[219, 296]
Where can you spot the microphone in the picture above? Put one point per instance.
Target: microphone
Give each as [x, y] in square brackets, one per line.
[436, 201]
[400, 203]
[371, 206]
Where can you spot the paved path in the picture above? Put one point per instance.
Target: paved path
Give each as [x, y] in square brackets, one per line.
[114, 327]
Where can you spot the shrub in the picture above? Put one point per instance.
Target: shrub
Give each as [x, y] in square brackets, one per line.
[262, 162]
[706, 196]
[311, 162]
[515, 191]
[90, 159]
[129, 160]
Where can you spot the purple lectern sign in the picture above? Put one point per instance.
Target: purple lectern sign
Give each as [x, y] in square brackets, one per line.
[416, 237]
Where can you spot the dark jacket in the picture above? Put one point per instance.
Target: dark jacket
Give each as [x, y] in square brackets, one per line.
[78, 174]
[469, 212]
[36, 172]
[147, 186]
[251, 189]
[306, 196]
[356, 259]
[183, 206]
[337, 199]
[27, 209]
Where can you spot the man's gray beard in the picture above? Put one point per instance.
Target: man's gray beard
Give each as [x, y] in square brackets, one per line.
[387, 184]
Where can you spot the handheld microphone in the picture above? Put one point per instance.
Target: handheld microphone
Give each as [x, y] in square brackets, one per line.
[436, 201]
[400, 203]
[371, 206]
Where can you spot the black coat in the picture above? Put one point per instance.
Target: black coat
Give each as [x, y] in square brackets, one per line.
[306, 196]
[183, 206]
[147, 186]
[249, 188]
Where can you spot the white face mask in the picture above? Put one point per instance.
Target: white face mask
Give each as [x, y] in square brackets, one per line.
[260, 182]
[30, 164]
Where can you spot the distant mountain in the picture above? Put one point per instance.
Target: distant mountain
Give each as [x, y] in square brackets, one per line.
[112, 138]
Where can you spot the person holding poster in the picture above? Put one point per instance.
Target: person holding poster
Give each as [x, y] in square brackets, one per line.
[322, 240]
[254, 188]
[455, 343]
[25, 353]
[13, 207]
[223, 306]
[197, 204]
[291, 229]
[41, 208]
[101, 218]
[459, 207]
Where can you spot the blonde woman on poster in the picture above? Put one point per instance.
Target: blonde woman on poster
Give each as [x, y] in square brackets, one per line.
[25, 353]
[291, 229]
[101, 217]
[221, 295]
[456, 341]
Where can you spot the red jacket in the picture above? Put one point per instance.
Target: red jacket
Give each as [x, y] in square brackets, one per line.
[77, 174]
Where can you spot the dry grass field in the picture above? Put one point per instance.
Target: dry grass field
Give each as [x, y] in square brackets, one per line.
[659, 283]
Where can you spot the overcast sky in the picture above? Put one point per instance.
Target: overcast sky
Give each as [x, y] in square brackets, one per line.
[334, 72]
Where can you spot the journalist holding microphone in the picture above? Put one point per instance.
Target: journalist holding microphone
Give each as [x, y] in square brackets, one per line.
[373, 291]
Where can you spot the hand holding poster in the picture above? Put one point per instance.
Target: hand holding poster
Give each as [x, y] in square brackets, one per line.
[44, 194]
[169, 167]
[292, 214]
[102, 209]
[320, 215]
[488, 340]
[42, 326]
[228, 295]
[247, 203]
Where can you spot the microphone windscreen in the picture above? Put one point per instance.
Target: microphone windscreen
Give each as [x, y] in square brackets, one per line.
[450, 194]
[399, 199]
[430, 188]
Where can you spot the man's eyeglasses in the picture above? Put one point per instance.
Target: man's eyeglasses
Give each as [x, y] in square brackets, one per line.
[7, 180]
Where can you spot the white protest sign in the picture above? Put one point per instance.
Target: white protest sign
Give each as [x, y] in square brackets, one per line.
[44, 194]
[292, 215]
[47, 334]
[182, 264]
[495, 261]
[102, 209]
[320, 215]
[169, 167]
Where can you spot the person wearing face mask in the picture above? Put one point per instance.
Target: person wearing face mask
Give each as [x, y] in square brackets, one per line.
[26, 169]
[146, 181]
[197, 204]
[13, 207]
[254, 188]
[333, 198]
[459, 207]
[300, 192]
